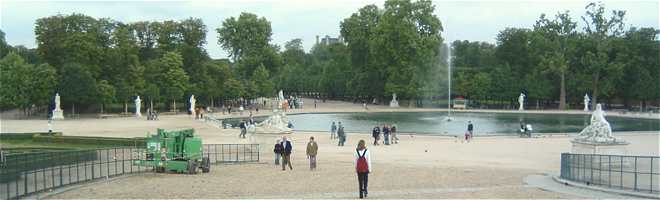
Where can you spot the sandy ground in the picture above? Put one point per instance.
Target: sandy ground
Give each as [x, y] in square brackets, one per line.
[418, 167]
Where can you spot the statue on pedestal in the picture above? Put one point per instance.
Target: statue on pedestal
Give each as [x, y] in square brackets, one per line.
[58, 113]
[138, 104]
[280, 98]
[521, 101]
[394, 103]
[586, 102]
[599, 130]
[192, 104]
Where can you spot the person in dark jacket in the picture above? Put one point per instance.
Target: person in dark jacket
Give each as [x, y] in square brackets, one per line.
[342, 135]
[395, 138]
[243, 128]
[386, 134]
[470, 128]
[278, 152]
[286, 153]
[376, 134]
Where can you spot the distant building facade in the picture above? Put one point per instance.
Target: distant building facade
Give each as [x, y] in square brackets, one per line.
[327, 40]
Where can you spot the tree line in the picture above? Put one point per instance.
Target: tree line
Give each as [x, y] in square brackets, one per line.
[397, 48]
[555, 60]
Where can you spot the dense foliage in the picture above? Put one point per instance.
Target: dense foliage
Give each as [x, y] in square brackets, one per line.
[556, 61]
[396, 48]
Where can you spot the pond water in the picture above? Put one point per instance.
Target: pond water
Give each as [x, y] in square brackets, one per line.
[484, 123]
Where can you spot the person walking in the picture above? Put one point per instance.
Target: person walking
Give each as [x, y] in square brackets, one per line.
[386, 134]
[286, 153]
[243, 129]
[395, 139]
[376, 134]
[278, 152]
[312, 149]
[470, 128]
[333, 131]
[362, 167]
[342, 135]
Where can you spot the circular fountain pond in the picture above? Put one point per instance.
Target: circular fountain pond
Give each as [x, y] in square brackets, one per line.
[485, 123]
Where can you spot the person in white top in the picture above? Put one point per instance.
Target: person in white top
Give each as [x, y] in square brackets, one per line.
[362, 167]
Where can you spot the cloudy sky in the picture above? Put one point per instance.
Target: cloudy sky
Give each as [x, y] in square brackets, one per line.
[478, 20]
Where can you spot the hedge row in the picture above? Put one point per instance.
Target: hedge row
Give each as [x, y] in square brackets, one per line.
[25, 136]
[101, 141]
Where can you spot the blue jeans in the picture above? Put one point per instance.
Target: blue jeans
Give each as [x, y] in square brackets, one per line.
[387, 138]
[277, 158]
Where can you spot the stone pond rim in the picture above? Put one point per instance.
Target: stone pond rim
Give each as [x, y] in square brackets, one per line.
[486, 123]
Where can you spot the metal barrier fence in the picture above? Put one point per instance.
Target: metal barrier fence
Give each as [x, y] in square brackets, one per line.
[25, 174]
[636, 173]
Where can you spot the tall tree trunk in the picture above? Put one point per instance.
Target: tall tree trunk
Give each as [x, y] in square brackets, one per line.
[594, 100]
[125, 107]
[562, 92]
[174, 108]
[151, 104]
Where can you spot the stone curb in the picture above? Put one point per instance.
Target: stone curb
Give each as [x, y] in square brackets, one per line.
[608, 190]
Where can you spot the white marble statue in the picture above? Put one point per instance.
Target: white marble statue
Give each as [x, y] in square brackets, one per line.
[521, 101]
[394, 103]
[586, 102]
[57, 102]
[599, 130]
[280, 95]
[138, 105]
[58, 113]
[280, 100]
[192, 104]
[276, 123]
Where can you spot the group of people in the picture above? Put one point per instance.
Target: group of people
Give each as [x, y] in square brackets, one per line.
[337, 132]
[292, 103]
[389, 134]
[284, 147]
[362, 159]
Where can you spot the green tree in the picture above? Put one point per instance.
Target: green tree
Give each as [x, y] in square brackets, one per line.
[244, 35]
[13, 73]
[234, 88]
[174, 81]
[600, 60]
[106, 93]
[77, 85]
[359, 32]
[641, 66]
[74, 38]
[4, 47]
[24, 85]
[261, 79]
[409, 40]
[247, 38]
[554, 37]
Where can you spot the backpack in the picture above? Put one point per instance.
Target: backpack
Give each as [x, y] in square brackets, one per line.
[362, 165]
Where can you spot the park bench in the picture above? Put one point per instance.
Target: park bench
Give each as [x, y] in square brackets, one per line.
[105, 116]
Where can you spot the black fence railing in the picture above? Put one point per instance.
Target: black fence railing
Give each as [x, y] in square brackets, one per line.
[25, 174]
[635, 173]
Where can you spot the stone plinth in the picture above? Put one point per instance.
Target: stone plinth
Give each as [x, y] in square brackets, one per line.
[58, 114]
[394, 104]
[585, 147]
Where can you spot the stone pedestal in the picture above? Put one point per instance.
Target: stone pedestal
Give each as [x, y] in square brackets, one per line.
[394, 104]
[58, 114]
[615, 148]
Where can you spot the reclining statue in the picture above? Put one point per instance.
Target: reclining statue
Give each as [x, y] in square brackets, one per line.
[599, 130]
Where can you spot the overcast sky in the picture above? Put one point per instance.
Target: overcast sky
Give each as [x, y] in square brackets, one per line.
[475, 20]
